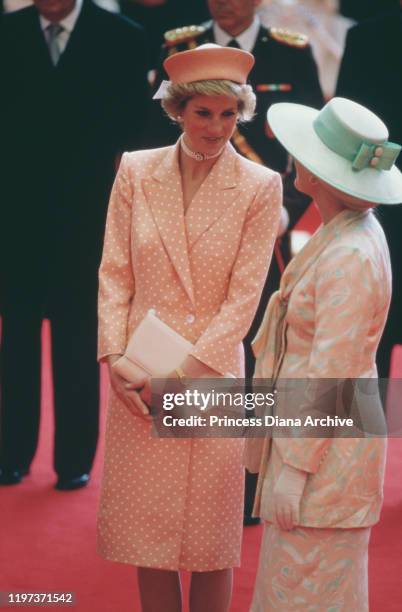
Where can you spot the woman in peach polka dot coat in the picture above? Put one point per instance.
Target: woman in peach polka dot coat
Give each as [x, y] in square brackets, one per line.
[190, 233]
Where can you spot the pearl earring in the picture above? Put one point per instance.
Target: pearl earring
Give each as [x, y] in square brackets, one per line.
[179, 118]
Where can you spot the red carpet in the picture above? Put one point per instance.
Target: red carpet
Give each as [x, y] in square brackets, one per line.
[47, 538]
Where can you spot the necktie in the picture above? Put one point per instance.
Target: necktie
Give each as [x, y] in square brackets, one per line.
[54, 30]
[233, 43]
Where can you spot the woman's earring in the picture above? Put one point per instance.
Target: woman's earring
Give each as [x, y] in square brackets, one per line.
[179, 118]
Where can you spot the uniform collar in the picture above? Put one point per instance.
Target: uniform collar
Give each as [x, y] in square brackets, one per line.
[246, 39]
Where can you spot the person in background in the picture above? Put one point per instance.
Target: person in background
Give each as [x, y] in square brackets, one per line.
[324, 26]
[190, 233]
[284, 70]
[74, 96]
[320, 495]
[379, 87]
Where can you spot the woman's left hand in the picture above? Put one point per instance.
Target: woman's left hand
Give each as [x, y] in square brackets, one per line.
[144, 392]
[287, 495]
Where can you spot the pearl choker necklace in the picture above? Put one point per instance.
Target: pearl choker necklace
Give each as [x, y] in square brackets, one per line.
[197, 156]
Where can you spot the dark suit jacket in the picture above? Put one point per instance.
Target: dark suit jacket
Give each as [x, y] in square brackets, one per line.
[62, 130]
[366, 9]
[294, 71]
[370, 73]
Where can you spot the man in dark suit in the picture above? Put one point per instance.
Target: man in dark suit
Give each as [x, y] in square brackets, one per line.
[284, 71]
[74, 96]
[370, 73]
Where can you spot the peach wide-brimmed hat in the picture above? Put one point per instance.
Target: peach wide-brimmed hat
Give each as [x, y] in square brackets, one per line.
[207, 62]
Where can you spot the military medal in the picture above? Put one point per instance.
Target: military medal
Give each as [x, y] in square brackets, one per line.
[274, 87]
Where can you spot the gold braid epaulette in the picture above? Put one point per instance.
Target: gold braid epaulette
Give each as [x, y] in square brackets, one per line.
[245, 149]
[183, 35]
[287, 37]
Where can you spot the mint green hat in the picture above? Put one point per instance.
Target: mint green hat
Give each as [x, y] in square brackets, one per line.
[344, 144]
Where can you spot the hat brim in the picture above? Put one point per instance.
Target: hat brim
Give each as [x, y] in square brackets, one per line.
[209, 62]
[292, 124]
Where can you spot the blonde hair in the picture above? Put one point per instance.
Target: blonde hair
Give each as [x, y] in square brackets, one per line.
[178, 94]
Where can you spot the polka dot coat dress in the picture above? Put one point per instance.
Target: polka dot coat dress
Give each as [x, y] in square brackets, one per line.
[178, 503]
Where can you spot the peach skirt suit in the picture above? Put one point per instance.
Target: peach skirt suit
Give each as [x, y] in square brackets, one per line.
[178, 503]
[337, 291]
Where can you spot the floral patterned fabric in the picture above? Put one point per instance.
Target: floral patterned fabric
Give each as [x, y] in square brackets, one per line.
[337, 293]
[331, 308]
[312, 570]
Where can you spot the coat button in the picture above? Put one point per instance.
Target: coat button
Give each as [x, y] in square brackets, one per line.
[190, 318]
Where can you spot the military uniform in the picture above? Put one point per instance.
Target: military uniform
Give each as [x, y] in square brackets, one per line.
[156, 19]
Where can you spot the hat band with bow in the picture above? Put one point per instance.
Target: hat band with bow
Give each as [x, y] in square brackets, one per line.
[343, 141]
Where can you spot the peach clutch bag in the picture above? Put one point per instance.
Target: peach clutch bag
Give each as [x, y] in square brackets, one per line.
[155, 347]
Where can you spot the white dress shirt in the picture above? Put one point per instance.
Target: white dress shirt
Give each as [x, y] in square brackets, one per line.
[246, 40]
[67, 24]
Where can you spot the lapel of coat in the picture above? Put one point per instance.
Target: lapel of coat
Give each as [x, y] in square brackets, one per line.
[33, 53]
[216, 194]
[163, 191]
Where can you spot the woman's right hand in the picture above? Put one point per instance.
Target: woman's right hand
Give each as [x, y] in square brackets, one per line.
[287, 495]
[128, 390]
